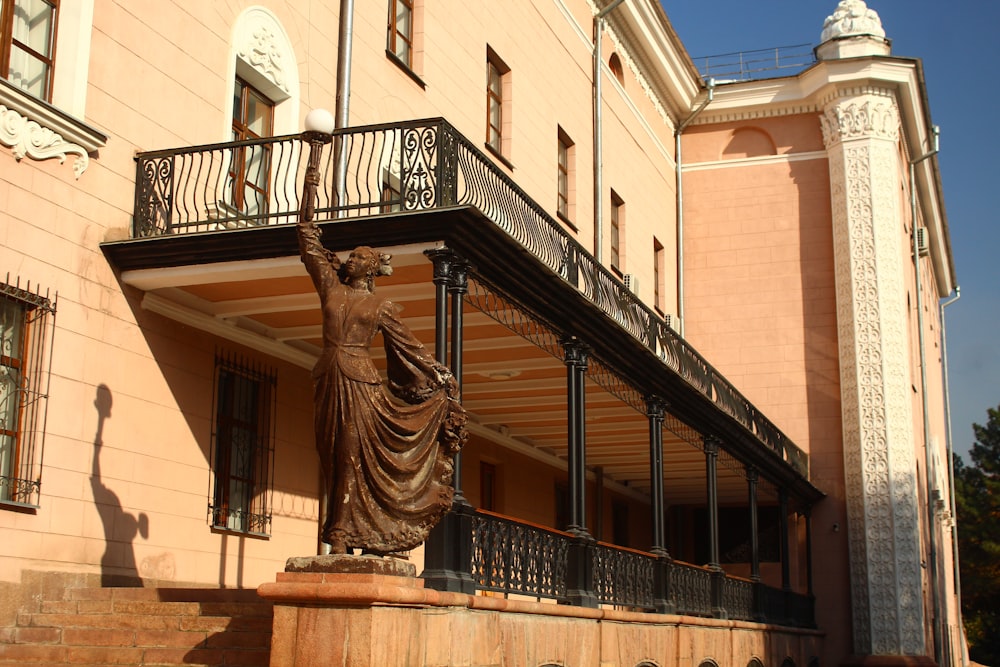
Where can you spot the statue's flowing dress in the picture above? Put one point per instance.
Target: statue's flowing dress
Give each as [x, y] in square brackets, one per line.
[387, 464]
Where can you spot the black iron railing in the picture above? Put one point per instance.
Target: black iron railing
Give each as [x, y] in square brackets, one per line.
[410, 166]
[513, 557]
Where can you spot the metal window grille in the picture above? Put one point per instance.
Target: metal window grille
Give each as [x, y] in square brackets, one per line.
[27, 329]
[243, 446]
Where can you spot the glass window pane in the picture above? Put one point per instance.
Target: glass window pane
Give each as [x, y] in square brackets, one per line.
[495, 87]
[11, 323]
[28, 72]
[494, 114]
[403, 19]
[258, 115]
[10, 381]
[238, 100]
[33, 25]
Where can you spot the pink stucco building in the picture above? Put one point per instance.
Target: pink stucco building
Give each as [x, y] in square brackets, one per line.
[696, 322]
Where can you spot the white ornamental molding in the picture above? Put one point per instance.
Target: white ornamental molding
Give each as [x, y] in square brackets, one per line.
[626, 56]
[262, 44]
[880, 469]
[262, 52]
[29, 138]
[875, 117]
[852, 18]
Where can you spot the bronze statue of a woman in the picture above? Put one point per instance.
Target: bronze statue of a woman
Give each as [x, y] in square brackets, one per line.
[388, 464]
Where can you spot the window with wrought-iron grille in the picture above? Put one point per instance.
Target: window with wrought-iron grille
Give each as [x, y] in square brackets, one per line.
[617, 220]
[250, 167]
[565, 167]
[243, 447]
[28, 49]
[497, 104]
[26, 334]
[401, 31]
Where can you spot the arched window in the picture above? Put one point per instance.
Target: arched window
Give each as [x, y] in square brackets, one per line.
[615, 65]
[708, 662]
[755, 662]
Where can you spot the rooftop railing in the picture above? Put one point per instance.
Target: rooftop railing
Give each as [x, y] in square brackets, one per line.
[410, 166]
[758, 64]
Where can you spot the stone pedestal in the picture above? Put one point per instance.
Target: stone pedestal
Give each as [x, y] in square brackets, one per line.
[349, 610]
[341, 611]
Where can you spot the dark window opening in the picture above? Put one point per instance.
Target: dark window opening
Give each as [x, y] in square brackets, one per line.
[243, 445]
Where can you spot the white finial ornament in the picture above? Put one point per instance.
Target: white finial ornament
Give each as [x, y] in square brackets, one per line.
[852, 18]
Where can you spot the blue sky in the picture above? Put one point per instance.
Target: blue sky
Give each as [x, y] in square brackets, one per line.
[959, 43]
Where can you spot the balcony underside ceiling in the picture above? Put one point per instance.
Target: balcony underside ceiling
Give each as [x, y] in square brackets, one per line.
[250, 287]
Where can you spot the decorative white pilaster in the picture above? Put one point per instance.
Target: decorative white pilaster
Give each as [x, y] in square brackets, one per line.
[861, 133]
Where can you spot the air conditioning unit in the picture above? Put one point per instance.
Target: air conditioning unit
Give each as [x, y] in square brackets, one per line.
[923, 241]
[631, 282]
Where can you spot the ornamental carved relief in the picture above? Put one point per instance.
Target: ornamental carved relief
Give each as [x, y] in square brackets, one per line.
[261, 51]
[29, 138]
[871, 118]
[880, 467]
[261, 42]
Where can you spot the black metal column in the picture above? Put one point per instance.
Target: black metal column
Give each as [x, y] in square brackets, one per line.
[580, 568]
[786, 578]
[662, 598]
[809, 568]
[458, 287]
[711, 444]
[655, 411]
[576, 367]
[448, 550]
[809, 551]
[753, 477]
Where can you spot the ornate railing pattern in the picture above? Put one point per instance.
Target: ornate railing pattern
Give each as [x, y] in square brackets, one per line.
[409, 166]
[773, 604]
[692, 588]
[623, 577]
[737, 598]
[513, 557]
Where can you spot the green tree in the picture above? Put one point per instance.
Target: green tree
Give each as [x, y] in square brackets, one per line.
[977, 498]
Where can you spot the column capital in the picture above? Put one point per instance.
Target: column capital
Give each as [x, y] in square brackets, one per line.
[753, 474]
[865, 112]
[575, 351]
[656, 407]
[446, 262]
[712, 444]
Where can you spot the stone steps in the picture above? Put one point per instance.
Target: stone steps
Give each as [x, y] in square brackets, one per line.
[141, 626]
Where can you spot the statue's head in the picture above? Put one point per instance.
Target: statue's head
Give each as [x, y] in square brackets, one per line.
[364, 261]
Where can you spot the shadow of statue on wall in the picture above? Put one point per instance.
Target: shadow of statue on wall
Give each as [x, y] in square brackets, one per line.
[118, 566]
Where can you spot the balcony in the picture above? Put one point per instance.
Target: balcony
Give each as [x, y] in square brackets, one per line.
[213, 246]
[410, 167]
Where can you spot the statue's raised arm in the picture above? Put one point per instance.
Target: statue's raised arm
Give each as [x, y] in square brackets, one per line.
[321, 264]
